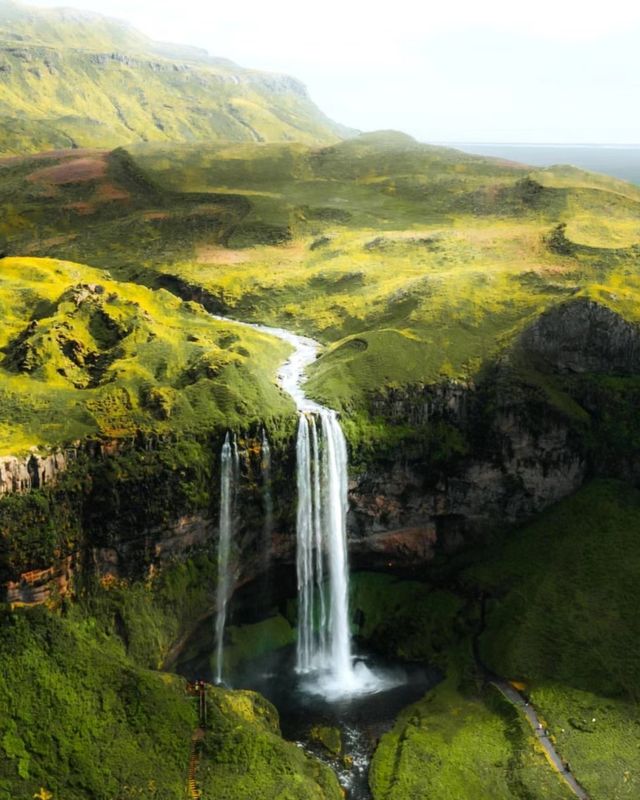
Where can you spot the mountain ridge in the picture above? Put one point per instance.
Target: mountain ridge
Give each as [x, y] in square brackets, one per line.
[121, 87]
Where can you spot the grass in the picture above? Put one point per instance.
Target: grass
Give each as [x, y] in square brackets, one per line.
[245, 756]
[85, 355]
[412, 264]
[84, 713]
[80, 720]
[127, 88]
[565, 594]
[562, 619]
[462, 743]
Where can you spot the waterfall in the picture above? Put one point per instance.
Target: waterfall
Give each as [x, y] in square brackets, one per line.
[229, 470]
[324, 640]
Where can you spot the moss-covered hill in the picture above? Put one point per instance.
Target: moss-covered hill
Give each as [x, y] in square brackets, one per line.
[84, 355]
[82, 714]
[75, 79]
[560, 596]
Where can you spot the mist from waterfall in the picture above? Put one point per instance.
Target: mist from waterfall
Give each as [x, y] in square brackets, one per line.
[324, 639]
[229, 472]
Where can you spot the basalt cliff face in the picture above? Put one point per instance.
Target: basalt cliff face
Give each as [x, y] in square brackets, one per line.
[516, 455]
[524, 436]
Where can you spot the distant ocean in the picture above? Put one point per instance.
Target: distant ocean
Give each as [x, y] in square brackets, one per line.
[621, 161]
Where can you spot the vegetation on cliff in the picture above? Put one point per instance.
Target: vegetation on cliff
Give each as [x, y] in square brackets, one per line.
[560, 597]
[85, 713]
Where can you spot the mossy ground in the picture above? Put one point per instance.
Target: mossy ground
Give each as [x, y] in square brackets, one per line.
[560, 599]
[245, 757]
[84, 712]
[81, 720]
[462, 743]
[84, 355]
[563, 619]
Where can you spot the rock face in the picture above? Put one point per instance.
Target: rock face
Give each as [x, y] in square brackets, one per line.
[520, 451]
[33, 471]
[521, 456]
[584, 336]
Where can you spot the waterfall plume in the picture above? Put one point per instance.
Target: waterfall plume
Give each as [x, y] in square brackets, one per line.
[229, 471]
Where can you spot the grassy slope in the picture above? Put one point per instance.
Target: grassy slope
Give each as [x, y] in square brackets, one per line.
[462, 744]
[81, 718]
[565, 622]
[87, 355]
[561, 619]
[245, 757]
[414, 263]
[411, 263]
[127, 88]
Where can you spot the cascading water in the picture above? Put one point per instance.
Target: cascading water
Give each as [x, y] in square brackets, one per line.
[324, 641]
[229, 468]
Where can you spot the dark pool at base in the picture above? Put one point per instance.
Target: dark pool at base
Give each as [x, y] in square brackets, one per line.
[361, 719]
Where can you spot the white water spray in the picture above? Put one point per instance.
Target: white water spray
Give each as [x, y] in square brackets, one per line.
[229, 468]
[324, 640]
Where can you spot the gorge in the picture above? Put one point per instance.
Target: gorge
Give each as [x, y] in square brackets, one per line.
[319, 450]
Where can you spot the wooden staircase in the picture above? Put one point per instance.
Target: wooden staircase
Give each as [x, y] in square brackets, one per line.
[193, 790]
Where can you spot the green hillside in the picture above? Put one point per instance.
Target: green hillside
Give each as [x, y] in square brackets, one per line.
[84, 355]
[411, 263]
[74, 79]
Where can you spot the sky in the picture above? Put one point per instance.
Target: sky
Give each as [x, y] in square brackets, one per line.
[442, 71]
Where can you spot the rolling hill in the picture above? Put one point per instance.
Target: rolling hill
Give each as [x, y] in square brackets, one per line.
[70, 78]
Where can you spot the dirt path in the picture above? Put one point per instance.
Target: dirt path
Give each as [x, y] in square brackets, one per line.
[516, 699]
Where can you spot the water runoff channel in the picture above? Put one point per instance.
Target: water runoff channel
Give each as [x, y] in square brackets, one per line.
[322, 680]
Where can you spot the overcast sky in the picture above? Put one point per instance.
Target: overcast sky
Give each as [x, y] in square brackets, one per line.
[445, 70]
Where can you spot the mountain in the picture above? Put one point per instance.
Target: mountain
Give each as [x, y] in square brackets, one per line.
[119, 87]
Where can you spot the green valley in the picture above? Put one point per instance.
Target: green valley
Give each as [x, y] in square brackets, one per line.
[319, 449]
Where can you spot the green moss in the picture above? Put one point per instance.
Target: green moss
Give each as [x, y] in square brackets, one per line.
[244, 756]
[564, 594]
[459, 742]
[330, 738]
[246, 642]
[406, 619]
[81, 720]
[151, 617]
[597, 735]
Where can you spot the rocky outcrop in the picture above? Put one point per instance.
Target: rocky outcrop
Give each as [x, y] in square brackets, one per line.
[584, 336]
[515, 456]
[21, 474]
[42, 585]
[517, 449]
[145, 554]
